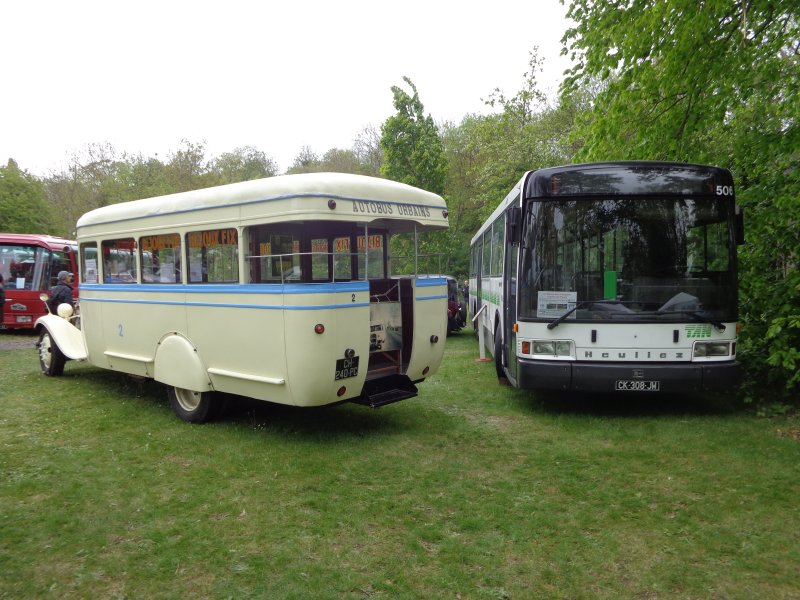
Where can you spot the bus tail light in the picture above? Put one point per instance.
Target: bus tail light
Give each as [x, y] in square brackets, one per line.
[319, 328]
[341, 391]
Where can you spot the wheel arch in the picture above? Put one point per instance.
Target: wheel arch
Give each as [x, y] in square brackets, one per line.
[177, 363]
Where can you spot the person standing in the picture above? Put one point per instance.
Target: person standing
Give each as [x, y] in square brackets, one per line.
[61, 292]
[2, 299]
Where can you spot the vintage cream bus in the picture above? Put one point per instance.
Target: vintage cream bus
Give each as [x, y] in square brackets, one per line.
[272, 289]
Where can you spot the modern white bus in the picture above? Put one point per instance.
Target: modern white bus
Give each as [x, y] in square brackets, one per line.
[271, 289]
[611, 277]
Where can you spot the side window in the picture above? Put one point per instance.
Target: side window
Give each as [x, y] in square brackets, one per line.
[487, 253]
[498, 237]
[89, 263]
[160, 257]
[213, 256]
[274, 255]
[119, 261]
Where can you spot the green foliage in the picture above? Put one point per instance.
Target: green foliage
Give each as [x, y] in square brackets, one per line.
[413, 151]
[335, 160]
[719, 85]
[23, 207]
[243, 164]
[487, 154]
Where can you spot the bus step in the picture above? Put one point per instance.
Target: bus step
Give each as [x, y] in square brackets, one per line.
[385, 390]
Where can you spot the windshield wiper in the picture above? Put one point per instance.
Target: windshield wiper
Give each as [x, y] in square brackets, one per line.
[696, 315]
[582, 303]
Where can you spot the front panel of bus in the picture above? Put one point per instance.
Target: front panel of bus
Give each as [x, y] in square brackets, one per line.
[29, 267]
[627, 280]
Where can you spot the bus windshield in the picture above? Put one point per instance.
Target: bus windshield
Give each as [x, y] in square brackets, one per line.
[30, 267]
[629, 258]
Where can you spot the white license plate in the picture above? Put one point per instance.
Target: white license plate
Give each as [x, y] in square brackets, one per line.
[628, 385]
[25, 319]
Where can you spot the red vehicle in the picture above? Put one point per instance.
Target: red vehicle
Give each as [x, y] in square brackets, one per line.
[30, 265]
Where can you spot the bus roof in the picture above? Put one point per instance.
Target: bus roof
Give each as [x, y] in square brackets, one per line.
[626, 178]
[617, 178]
[290, 197]
[50, 241]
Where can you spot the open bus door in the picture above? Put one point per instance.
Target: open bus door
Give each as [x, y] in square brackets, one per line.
[513, 227]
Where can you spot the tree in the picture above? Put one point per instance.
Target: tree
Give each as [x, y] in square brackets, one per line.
[413, 151]
[23, 207]
[188, 169]
[243, 164]
[368, 151]
[719, 84]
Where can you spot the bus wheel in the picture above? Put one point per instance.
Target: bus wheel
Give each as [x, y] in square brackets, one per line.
[498, 354]
[194, 407]
[51, 359]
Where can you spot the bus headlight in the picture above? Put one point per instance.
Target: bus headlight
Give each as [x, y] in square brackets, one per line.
[707, 349]
[547, 348]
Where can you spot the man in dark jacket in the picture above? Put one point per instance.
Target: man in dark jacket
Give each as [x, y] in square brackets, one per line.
[2, 299]
[61, 292]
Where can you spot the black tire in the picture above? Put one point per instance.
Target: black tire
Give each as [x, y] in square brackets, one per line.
[195, 407]
[51, 359]
[498, 354]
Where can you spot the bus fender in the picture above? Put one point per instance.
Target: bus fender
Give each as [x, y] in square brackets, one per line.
[67, 337]
[178, 364]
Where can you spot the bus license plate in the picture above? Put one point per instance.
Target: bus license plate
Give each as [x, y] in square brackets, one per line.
[346, 367]
[627, 385]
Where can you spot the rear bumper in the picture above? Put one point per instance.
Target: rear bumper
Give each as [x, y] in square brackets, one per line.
[602, 377]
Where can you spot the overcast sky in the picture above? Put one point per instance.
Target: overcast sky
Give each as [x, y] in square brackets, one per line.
[145, 75]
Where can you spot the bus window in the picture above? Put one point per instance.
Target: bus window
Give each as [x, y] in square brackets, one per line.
[497, 246]
[342, 265]
[160, 257]
[89, 263]
[374, 255]
[487, 253]
[319, 259]
[213, 256]
[119, 264]
[275, 254]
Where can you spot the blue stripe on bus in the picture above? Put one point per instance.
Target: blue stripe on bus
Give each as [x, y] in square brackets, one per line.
[431, 281]
[430, 297]
[224, 305]
[235, 288]
[264, 200]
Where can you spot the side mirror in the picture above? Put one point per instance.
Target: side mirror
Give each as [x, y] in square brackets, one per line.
[44, 298]
[738, 225]
[514, 225]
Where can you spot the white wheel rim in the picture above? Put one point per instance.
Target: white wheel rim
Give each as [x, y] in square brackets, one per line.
[45, 351]
[188, 400]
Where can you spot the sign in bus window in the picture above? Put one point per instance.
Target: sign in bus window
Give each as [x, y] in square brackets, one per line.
[319, 259]
[342, 265]
[89, 263]
[160, 257]
[213, 256]
[373, 254]
[119, 264]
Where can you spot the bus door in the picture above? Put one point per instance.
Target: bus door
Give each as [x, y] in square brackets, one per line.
[513, 227]
[478, 261]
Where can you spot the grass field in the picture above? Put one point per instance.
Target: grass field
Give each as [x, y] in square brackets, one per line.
[471, 490]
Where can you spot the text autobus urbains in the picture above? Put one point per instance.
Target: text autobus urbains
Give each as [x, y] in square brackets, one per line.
[612, 277]
[274, 289]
